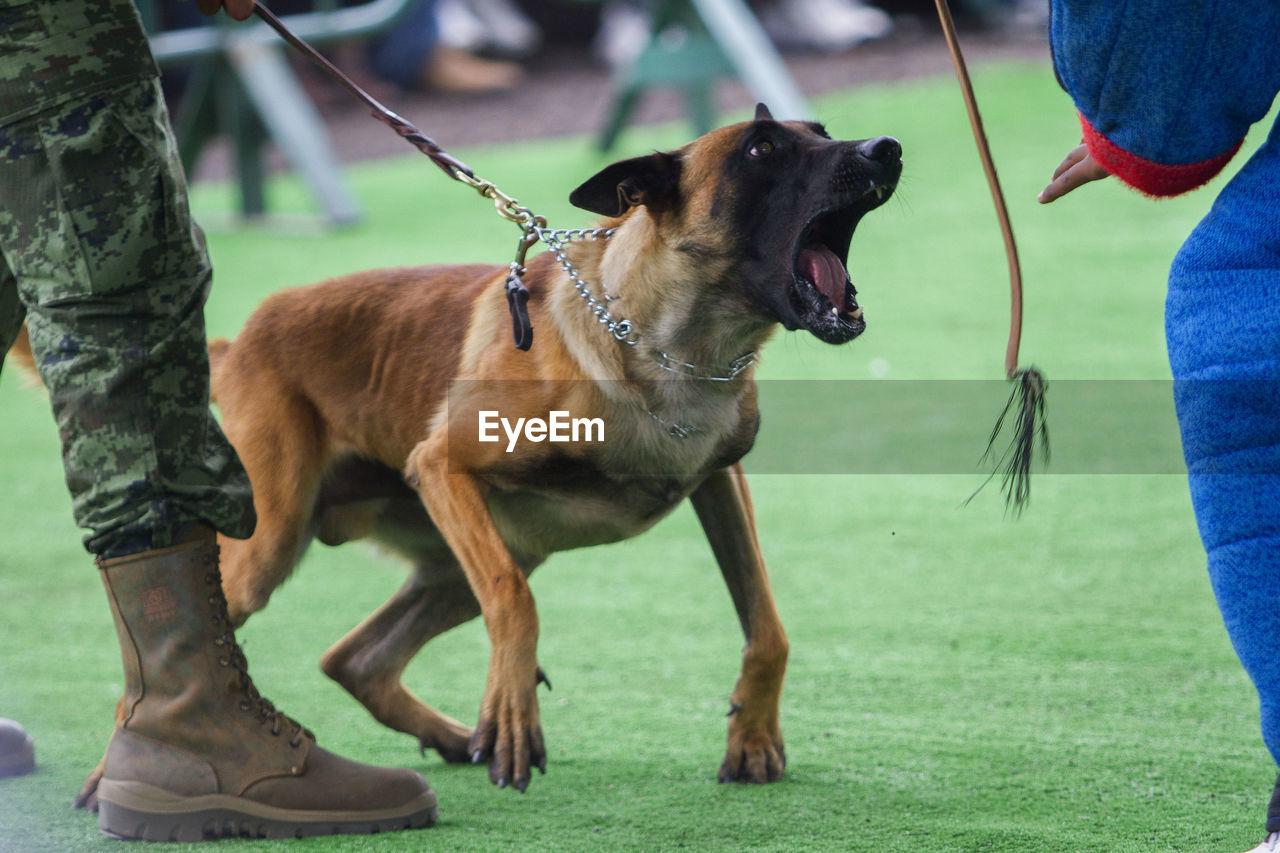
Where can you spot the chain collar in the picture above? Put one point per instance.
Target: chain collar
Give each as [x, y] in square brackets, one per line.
[673, 428]
[533, 230]
[684, 368]
[622, 330]
[556, 240]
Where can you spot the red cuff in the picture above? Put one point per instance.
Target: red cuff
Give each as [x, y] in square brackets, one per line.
[1148, 176]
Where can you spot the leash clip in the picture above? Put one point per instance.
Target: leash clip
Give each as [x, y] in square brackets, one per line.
[517, 293]
[508, 207]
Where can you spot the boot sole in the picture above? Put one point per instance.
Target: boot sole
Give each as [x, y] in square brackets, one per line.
[141, 812]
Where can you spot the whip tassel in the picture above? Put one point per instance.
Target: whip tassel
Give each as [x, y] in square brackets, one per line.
[1025, 413]
[1026, 405]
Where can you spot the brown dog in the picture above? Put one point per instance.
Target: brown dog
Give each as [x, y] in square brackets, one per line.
[338, 398]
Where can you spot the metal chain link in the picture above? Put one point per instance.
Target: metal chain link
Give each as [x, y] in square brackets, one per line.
[673, 429]
[672, 364]
[556, 240]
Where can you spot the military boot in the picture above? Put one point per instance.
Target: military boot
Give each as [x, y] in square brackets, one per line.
[198, 753]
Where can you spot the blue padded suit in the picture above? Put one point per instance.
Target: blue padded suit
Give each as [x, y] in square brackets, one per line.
[1166, 93]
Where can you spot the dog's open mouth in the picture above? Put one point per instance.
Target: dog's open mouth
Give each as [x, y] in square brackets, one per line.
[822, 291]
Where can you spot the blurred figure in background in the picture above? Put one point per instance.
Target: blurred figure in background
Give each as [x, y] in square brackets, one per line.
[431, 49]
[495, 28]
[825, 26]
[829, 26]
[425, 50]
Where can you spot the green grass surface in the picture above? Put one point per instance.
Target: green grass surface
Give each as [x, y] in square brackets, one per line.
[960, 681]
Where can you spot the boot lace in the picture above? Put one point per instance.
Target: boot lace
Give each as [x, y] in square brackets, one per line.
[251, 701]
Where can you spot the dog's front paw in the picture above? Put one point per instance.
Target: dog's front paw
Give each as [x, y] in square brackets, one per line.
[509, 736]
[755, 753]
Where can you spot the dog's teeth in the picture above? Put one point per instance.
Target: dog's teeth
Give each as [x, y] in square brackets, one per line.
[835, 313]
[857, 313]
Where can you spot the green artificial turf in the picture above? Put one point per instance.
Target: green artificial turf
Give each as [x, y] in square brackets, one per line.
[960, 680]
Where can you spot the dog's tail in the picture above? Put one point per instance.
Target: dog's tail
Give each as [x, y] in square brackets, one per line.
[218, 348]
[21, 353]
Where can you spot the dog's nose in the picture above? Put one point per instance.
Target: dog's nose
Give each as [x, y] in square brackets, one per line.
[882, 149]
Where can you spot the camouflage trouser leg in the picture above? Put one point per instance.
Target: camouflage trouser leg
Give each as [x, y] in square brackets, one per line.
[98, 246]
[11, 310]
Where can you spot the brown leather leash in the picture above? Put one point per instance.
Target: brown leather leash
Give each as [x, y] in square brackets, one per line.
[1026, 402]
[451, 166]
[508, 207]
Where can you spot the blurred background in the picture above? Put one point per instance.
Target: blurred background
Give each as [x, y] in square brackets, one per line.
[488, 71]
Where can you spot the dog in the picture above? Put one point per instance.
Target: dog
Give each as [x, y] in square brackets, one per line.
[359, 407]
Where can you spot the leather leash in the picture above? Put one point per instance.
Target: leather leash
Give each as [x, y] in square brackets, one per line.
[1026, 402]
[451, 166]
[508, 208]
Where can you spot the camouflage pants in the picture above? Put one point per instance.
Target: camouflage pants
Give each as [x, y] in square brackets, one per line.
[99, 253]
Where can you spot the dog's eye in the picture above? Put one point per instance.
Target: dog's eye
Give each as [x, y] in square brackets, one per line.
[763, 148]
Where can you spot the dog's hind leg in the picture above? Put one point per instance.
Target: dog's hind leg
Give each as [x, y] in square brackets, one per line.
[370, 660]
[282, 446]
[755, 751]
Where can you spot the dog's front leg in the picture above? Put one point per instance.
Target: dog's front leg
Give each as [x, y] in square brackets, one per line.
[508, 734]
[755, 751]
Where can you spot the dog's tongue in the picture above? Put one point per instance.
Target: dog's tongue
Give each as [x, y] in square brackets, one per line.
[821, 266]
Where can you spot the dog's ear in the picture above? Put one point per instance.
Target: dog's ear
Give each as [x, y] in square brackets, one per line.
[762, 113]
[652, 181]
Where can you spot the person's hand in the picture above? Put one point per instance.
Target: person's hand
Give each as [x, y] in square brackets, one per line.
[1079, 168]
[238, 9]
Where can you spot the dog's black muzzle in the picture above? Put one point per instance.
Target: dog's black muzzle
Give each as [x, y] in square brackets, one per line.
[822, 298]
